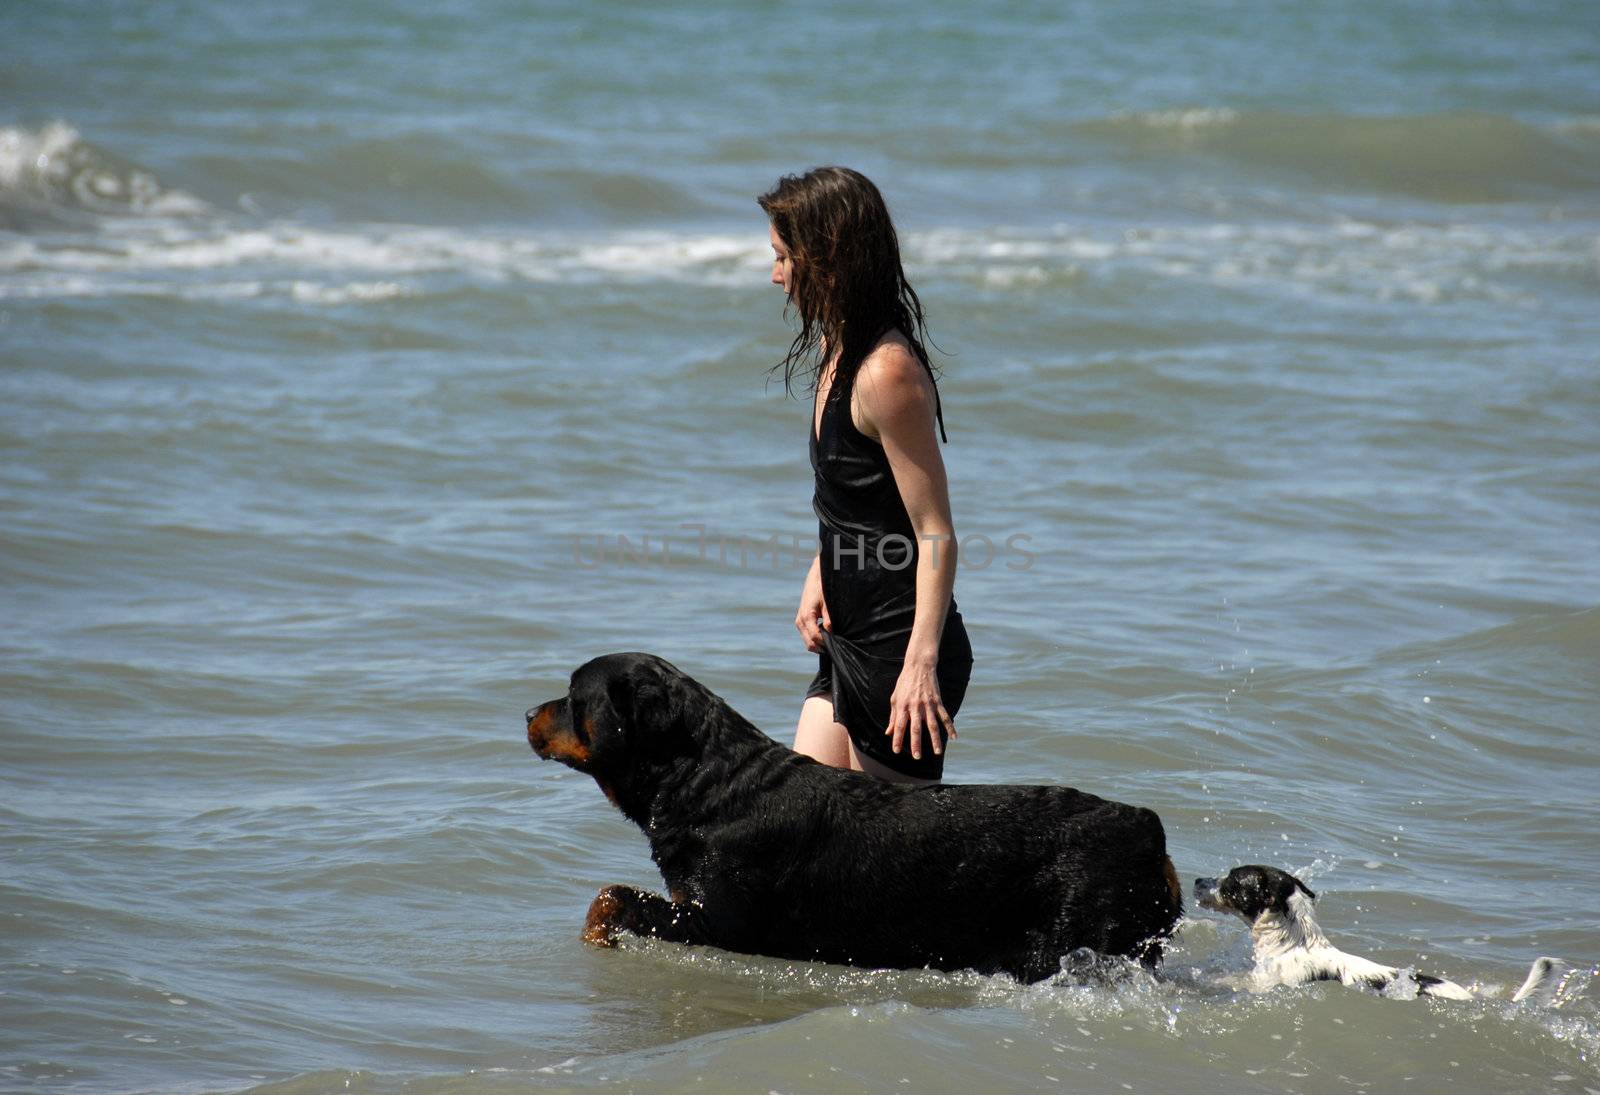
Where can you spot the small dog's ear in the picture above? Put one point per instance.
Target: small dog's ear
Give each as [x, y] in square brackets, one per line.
[1305, 889]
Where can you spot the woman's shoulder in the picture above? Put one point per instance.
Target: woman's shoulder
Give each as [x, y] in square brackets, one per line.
[893, 363]
[893, 384]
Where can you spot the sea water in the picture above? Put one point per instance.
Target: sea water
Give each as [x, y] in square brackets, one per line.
[365, 368]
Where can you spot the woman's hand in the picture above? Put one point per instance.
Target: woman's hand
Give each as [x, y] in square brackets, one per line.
[915, 707]
[812, 619]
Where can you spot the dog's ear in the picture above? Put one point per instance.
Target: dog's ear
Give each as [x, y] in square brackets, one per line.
[1304, 888]
[619, 700]
[660, 706]
[633, 689]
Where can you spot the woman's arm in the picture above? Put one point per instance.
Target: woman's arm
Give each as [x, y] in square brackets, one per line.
[896, 401]
[811, 620]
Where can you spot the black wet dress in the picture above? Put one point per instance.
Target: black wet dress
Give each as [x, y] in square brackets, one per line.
[869, 583]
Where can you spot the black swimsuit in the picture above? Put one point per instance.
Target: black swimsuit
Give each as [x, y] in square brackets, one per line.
[869, 583]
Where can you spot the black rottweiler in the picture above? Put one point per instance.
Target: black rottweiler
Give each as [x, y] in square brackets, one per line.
[768, 852]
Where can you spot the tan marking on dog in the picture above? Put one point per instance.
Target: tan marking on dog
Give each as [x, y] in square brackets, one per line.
[599, 927]
[1173, 884]
[554, 741]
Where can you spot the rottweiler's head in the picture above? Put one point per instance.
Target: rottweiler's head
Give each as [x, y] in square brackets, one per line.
[624, 717]
[1250, 891]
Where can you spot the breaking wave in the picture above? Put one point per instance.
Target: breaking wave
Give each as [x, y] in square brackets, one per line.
[55, 169]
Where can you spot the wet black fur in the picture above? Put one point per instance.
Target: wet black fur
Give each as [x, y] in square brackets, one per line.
[768, 852]
[1252, 890]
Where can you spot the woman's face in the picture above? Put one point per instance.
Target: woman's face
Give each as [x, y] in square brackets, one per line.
[782, 261]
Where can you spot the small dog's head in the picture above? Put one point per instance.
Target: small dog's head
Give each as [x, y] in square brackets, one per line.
[621, 712]
[1250, 891]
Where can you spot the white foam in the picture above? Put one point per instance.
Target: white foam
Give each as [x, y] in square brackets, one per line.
[1193, 118]
[355, 292]
[198, 257]
[360, 263]
[25, 156]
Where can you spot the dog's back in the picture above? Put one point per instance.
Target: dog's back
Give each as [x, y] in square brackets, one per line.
[992, 878]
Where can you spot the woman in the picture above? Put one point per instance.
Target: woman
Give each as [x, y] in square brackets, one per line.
[877, 606]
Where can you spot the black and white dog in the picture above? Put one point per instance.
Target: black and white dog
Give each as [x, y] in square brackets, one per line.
[1290, 948]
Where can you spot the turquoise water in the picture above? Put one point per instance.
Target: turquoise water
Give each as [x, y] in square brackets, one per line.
[349, 355]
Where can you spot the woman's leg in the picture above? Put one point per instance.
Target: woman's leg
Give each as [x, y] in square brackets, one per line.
[862, 763]
[820, 738]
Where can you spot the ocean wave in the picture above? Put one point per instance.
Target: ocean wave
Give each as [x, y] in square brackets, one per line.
[223, 257]
[52, 171]
[1457, 157]
[228, 259]
[1193, 118]
[437, 179]
[1573, 634]
[55, 168]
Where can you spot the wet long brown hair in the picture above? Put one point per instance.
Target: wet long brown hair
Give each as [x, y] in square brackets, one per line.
[846, 282]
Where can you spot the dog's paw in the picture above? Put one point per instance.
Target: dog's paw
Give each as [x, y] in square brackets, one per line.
[608, 916]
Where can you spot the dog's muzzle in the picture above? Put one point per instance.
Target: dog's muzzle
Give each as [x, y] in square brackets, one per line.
[1206, 895]
[538, 729]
